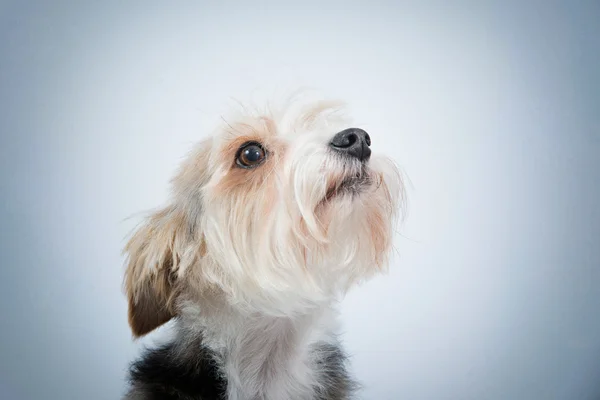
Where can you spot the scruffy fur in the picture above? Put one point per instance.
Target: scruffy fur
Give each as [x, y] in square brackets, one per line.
[250, 262]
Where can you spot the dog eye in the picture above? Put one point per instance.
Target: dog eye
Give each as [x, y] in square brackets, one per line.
[250, 155]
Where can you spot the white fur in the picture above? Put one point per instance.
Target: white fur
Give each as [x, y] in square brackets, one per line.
[267, 358]
[263, 290]
[267, 271]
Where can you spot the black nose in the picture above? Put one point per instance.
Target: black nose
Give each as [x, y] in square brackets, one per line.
[354, 142]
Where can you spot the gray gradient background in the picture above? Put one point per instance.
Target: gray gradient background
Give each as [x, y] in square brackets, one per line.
[492, 109]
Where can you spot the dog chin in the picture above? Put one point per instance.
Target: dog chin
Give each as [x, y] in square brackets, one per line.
[351, 185]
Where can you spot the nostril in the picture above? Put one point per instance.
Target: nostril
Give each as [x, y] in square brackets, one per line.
[345, 139]
[368, 139]
[352, 138]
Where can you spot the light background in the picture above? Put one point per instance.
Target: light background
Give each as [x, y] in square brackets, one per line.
[492, 110]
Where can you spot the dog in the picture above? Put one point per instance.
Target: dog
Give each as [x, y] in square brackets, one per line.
[271, 221]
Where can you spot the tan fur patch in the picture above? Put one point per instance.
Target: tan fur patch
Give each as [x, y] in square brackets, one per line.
[153, 256]
[238, 178]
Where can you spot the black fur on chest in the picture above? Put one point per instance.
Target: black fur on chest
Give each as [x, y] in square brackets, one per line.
[171, 372]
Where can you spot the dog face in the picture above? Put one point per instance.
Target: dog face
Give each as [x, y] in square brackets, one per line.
[277, 213]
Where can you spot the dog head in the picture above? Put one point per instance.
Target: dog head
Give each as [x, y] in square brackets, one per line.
[277, 213]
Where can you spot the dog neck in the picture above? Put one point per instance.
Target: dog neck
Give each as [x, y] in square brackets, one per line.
[264, 357]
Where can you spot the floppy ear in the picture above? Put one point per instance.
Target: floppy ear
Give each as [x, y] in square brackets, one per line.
[153, 256]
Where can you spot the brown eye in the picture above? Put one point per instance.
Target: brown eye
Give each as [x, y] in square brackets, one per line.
[250, 155]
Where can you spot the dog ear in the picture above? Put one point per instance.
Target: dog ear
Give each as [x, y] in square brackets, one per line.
[153, 256]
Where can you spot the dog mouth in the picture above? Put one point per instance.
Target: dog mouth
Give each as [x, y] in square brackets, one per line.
[350, 185]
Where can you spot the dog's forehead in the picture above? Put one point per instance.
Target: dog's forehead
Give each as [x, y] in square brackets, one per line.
[235, 133]
[284, 125]
[262, 126]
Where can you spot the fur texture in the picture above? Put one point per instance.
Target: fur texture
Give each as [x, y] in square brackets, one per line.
[251, 261]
